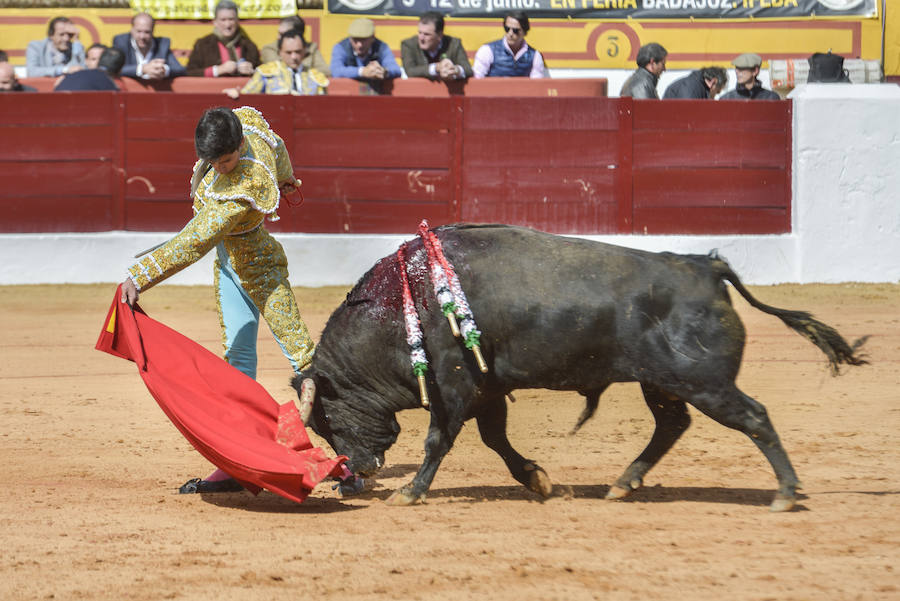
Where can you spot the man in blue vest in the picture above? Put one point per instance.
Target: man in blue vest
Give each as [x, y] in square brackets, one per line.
[364, 57]
[510, 56]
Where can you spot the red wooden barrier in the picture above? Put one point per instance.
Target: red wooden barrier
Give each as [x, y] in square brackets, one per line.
[59, 162]
[545, 163]
[373, 164]
[101, 161]
[709, 167]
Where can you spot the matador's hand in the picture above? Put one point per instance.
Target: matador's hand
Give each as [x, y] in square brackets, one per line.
[130, 293]
[289, 187]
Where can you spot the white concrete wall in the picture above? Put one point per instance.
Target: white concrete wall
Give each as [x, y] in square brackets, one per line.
[846, 182]
[846, 217]
[326, 259]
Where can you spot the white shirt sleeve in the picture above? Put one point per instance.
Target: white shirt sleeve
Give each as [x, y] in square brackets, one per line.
[484, 58]
[537, 66]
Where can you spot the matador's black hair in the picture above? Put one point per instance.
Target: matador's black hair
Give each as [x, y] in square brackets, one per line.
[218, 133]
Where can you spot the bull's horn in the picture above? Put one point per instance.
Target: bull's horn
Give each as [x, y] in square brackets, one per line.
[307, 396]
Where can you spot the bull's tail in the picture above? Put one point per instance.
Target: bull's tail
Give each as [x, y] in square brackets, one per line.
[822, 335]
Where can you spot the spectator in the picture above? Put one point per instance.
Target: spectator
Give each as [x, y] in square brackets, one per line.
[227, 51]
[58, 53]
[92, 55]
[99, 79]
[746, 68]
[651, 61]
[510, 56]
[702, 83]
[364, 57]
[287, 75]
[147, 57]
[314, 58]
[432, 54]
[8, 81]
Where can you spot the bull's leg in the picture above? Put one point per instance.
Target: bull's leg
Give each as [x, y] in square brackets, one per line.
[672, 419]
[492, 426]
[442, 431]
[741, 412]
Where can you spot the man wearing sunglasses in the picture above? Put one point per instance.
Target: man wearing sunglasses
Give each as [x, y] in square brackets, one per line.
[510, 56]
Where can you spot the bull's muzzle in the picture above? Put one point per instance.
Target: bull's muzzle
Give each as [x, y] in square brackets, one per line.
[307, 396]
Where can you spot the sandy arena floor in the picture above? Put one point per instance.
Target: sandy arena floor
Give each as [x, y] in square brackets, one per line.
[89, 508]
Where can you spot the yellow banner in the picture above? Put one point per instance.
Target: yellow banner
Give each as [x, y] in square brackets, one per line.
[199, 9]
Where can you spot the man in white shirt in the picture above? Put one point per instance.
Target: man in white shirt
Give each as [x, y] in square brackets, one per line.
[147, 57]
[510, 56]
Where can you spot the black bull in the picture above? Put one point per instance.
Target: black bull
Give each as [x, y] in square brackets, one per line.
[557, 313]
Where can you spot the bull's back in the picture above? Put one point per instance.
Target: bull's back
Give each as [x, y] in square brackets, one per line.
[568, 313]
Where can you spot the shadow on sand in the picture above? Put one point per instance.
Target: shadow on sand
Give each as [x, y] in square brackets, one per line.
[653, 494]
[267, 502]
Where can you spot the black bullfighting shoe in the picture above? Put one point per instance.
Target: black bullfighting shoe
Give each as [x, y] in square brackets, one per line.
[196, 485]
[351, 486]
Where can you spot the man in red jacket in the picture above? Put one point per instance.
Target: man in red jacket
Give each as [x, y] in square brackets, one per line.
[227, 51]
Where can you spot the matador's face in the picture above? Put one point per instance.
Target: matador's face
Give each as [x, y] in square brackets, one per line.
[227, 162]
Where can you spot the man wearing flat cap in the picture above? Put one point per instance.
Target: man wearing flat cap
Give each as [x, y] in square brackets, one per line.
[364, 57]
[746, 68]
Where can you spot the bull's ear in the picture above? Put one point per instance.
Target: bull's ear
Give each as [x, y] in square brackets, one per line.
[297, 382]
[324, 385]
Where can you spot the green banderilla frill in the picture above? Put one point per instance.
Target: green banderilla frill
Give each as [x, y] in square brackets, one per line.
[473, 338]
[419, 369]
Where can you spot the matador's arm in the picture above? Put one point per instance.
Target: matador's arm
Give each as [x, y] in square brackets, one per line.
[212, 223]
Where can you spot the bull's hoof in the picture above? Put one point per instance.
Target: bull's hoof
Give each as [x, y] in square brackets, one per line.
[782, 503]
[618, 491]
[539, 482]
[402, 497]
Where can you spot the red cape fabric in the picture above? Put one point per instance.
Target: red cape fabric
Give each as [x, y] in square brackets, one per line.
[228, 417]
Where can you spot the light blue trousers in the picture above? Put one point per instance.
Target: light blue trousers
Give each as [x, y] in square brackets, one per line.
[240, 318]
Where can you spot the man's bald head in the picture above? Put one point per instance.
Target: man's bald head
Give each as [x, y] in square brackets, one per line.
[7, 77]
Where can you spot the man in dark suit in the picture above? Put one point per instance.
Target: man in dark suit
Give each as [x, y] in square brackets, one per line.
[100, 79]
[227, 51]
[433, 55]
[146, 57]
